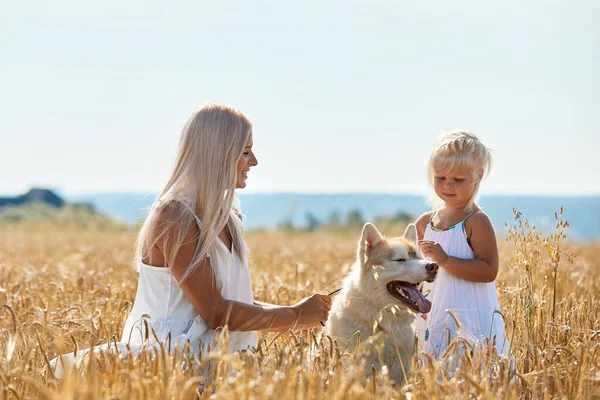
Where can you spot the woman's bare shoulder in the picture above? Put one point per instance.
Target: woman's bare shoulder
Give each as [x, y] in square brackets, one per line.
[172, 221]
[169, 210]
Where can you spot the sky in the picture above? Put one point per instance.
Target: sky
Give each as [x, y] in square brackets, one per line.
[345, 96]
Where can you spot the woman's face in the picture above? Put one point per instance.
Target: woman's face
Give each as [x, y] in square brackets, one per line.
[246, 161]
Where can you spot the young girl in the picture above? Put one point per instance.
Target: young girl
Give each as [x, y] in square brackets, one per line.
[459, 237]
[191, 255]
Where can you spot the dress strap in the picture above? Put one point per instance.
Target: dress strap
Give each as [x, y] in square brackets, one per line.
[461, 223]
[465, 230]
[432, 214]
[468, 216]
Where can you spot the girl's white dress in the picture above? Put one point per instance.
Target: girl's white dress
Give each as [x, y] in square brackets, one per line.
[474, 304]
[163, 307]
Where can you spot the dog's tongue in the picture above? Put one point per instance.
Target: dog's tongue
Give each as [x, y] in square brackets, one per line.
[415, 295]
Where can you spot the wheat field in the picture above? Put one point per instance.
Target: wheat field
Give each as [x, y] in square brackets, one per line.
[66, 287]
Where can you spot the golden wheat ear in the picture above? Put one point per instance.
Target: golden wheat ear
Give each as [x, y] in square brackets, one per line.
[410, 233]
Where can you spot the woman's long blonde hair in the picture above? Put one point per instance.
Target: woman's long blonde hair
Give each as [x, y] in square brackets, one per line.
[459, 149]
[201, 188]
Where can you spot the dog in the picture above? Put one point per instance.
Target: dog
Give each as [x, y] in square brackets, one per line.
[380, 299]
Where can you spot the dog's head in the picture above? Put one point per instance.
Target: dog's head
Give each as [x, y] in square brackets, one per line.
[393, 268]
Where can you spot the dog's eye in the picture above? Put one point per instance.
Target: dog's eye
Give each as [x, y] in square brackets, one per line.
[400, 260]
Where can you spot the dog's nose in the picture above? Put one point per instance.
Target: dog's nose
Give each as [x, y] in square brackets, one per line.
[431, 267]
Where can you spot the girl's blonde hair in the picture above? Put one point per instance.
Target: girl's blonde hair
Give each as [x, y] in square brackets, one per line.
[201, 188]
[455, 150]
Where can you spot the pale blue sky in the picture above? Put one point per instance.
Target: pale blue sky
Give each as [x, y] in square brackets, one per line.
[344, 95]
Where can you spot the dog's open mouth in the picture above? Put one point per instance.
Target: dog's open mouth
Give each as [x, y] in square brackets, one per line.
[410, 295]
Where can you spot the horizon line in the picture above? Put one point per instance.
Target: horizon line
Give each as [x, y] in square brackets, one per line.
[105, 192]
[350, 193]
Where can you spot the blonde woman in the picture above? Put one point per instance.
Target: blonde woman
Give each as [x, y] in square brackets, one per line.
[191, 255]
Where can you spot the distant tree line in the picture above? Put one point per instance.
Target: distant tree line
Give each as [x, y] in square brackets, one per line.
[353, 219]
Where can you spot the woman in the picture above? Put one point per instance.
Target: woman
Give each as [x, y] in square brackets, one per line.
[191, 255]
[192, 247]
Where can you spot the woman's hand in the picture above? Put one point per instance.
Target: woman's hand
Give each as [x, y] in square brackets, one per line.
[433, 251]
[312, 310]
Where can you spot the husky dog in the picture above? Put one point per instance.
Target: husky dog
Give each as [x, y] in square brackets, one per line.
[380, 299]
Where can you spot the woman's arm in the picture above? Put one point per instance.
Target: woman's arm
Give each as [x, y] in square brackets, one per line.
[484, 267]
[263, 304]
[202, 290]
[271, 306]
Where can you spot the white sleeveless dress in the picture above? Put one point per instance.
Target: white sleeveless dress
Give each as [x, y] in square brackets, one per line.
[161, 305]
[474, 304]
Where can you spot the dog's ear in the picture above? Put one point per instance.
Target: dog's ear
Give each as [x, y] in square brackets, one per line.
[370, 236]
[410, 233]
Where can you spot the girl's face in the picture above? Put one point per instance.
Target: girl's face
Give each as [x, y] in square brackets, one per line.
[454, 188]
[246, 161]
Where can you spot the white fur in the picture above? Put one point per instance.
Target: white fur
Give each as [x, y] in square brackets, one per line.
[365, 306]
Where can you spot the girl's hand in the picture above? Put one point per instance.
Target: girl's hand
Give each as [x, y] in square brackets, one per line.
[433, 251]
[312, 310]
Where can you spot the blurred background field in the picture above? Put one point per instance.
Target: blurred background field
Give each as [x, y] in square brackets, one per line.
[67, 285]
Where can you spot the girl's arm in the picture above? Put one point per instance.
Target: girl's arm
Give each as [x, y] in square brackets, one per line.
[421, 224]
[201, 289]
[484, 267]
